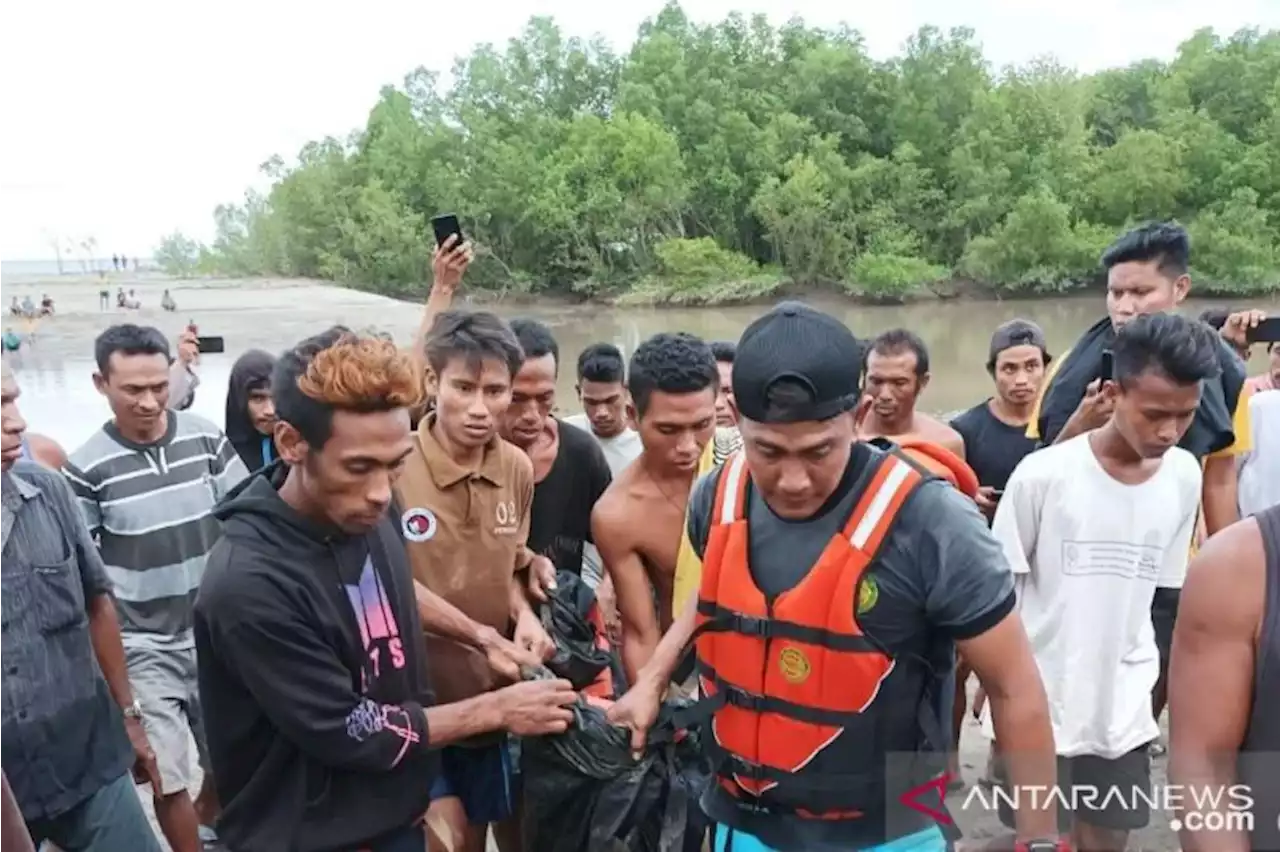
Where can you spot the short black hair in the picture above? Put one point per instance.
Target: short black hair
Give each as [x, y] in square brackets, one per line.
[340, 370]
[475, 336]
[601, 362]
[536, 339]
[1164, 242]
[675, 363]
[129, 339]
[1187, 351]
[896, 341]
[724, 351]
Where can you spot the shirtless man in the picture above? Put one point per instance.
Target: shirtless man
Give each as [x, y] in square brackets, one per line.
[897, 371]
[1224, 684]
[674, 384]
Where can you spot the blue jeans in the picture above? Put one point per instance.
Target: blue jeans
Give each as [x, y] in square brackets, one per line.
[927, 840]
[111, 819]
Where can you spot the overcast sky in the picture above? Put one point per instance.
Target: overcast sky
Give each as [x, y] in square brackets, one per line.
[126, 120]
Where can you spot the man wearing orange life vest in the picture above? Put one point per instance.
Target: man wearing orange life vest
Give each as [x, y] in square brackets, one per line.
[826, 632]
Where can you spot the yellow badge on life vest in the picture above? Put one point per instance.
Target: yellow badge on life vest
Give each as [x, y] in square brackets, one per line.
[794, 665]
[868, 594]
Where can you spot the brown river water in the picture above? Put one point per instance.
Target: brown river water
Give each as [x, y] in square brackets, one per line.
[59, 399]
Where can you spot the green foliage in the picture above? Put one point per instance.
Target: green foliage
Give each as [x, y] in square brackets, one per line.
[892, 276]
[723, 162]
[699, 271]
[179, 255]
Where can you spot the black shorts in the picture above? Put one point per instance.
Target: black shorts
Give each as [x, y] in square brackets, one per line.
[1164, 612]
[1086, 781]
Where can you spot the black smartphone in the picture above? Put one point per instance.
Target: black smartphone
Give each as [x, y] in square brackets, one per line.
[1107, 371]
[210, 345]
[1267, 331]
[446, 225]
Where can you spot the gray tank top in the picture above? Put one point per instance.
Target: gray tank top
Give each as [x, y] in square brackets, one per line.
[1260, 751]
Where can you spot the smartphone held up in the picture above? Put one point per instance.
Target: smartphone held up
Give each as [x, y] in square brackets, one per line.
[1266, 331]
[446, 225]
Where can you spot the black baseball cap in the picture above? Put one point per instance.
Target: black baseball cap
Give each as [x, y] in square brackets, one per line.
[1016, 332]
[797, 344]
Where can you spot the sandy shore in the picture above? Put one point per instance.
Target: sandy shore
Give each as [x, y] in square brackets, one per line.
[261, 312]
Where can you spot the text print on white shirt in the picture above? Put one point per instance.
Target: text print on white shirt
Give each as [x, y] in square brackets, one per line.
[1117, 558]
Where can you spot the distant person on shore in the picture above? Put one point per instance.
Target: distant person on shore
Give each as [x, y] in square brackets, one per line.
[104, 300]
[120, 297]
[167, 302]
[15, 309]
[115, 262]
[250, 419]
[28, 307]
[46, 305]
[12, 342]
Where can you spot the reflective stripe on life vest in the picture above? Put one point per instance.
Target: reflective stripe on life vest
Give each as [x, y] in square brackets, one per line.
[788, 676]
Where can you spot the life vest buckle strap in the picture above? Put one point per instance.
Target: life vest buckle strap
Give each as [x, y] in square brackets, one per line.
[739, 697]
[720, 619]
[730, 693]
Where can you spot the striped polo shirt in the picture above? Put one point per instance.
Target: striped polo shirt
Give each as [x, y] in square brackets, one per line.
[150, 506]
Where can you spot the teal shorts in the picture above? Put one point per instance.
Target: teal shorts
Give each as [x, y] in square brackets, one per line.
[928, 840]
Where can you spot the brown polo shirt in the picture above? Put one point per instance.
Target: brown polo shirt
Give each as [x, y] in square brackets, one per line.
[465, 529]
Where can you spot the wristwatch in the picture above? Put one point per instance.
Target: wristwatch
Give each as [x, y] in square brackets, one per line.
[133, 711]
[1046, 844]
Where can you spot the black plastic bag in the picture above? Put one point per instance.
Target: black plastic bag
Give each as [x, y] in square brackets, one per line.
[566, 618]
[583, 790]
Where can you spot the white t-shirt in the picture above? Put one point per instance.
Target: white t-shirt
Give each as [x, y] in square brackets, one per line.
[619, 451]
[1089, 551]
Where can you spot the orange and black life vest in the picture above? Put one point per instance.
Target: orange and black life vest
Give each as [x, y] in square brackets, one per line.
[938, 461]
[806, 707]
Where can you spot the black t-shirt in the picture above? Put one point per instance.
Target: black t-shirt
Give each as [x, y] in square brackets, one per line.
[992, 447]
[561, 517]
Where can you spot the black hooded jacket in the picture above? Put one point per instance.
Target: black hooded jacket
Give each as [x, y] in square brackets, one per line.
[313, 679]
[1212, 429]
[252, 371]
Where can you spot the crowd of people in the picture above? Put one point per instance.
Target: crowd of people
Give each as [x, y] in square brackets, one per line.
[339, 596]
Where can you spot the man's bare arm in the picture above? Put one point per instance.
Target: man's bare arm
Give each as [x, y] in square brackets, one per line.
[631, 588]
[1219, 493]
[1211, 675]
[670, 651]
[444, 619]
[1002, 659]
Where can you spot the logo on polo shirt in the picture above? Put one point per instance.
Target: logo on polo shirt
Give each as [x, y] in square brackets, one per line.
[419, 524]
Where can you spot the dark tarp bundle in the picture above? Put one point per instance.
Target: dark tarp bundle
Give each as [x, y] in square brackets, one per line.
[1212, 429]
[583, 791]
[579, 657]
